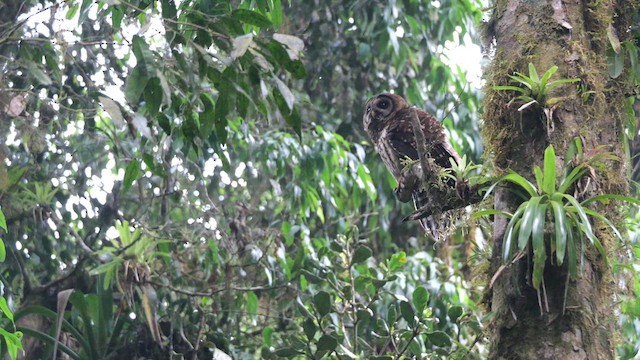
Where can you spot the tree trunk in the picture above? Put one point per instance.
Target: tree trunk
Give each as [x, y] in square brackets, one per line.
[576, 36]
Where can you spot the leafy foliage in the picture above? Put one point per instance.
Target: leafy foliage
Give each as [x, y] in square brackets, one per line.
[536, 89]
[553, 198]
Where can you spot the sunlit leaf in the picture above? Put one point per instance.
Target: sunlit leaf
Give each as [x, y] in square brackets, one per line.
[240, 45]
[293, 44]
[3, 251]
[3, 221]
[252, 302]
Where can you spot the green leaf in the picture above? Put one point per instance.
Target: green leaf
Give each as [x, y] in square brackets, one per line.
[539, 250]
[116, 17]
[420, 298]
[322, 303]
[545, 78]
[327, 343]
[511, 230]
[207, 116]
[525, 184]
[575, 174]
[276, 13]
[549, 184]
[13, 342]
[539, 177]
[267, 336]
[615, 63]
[251, 17]
[554, 84]
[136, 83]
[533, 74]
[407, 312]
[489, 212]
[537, 234]
[310, 328]
[512, 88]
[561, 225]
[73, 10]
[397, 261]
[222, 109]
[528, 219]
[130, 175]
[572, 254]
[584, 220]
[84, 11]
[455, 312]
[612, 35]
[3, 221]
[524, 80]
[439, 338]
[40, 76]
[4, 308]
[3, 251]
[252, 303]
[144, 57]
[153, 96]
[361, 254]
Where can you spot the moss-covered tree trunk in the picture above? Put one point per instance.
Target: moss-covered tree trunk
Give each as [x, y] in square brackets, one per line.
[576, 36]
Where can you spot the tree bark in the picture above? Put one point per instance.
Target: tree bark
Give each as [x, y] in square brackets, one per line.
[576, 37]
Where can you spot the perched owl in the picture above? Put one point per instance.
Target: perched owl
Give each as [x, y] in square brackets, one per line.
[387, 120]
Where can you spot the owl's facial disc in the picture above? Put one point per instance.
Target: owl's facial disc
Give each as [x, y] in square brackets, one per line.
[381, 107]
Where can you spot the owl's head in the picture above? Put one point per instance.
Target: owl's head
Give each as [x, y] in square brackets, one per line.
[380, 109]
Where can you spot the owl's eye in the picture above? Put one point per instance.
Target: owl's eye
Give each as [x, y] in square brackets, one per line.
[368, 109]
[383, 104]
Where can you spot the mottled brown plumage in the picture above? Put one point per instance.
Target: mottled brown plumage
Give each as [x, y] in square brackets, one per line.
[387, 120]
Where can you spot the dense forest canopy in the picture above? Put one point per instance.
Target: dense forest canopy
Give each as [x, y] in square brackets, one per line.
[191, 178]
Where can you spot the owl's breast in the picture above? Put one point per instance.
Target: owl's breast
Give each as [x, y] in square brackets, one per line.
[388, 154]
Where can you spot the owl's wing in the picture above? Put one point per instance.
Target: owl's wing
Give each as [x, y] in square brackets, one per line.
[402, 139]
[400, 136]
[436, 137]
[441, 154]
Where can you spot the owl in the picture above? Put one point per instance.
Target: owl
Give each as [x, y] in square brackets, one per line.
[387, 121]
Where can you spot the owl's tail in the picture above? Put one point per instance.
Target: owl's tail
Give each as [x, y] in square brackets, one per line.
[429, 224]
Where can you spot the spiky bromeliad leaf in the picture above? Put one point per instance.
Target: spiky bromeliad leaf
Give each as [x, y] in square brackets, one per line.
[539, 249]
[561, 227]
[549, 178]
[584, 225]
[519, 180]
[512, 228]
[531, 212]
